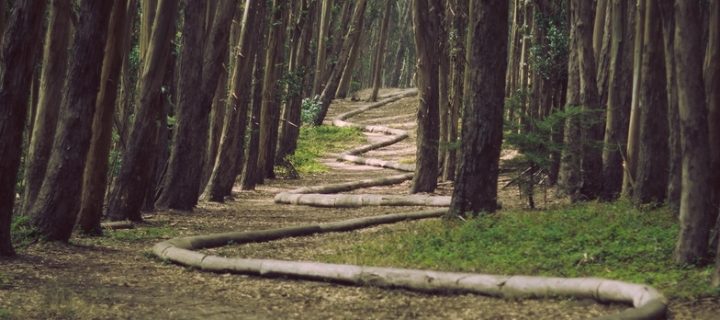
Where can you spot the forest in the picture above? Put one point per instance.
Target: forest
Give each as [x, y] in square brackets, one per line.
[495, 159]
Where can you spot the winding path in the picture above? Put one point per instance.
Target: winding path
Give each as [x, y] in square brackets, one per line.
[647, 302]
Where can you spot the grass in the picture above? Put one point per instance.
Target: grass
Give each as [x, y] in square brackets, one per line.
[142, 234]
[21, 231]
[316, 141]
[608, 240]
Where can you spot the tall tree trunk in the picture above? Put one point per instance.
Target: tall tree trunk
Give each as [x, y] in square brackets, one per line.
[320, 62]
[217, 122]
[380, 51]
[271, 98]
[250, 173]
[127, 195]
[476, 186]
[599, 27]
[652, 165]
[695, 209]
[52, 84]
[349, 70]
[95, 175]
[712, 83]
[635, 111]
[333, 81]
[457, 77]
[619, 96]
[19, 43]
[230, 153]
[603, 56]
[594, 131]
[182, 185]
[443, 90]
[56, 206]
[290, 121]
[427, 23]
[3, 18]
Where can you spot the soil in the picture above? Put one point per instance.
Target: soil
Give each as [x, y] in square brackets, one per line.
[116, 277]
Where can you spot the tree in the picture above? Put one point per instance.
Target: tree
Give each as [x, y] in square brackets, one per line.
[20, 38]
[570, 178]
[229, 159]
[635, 111]
[56, 207]
[427, 20]
[127, 195]
[328, 93]
[476, 184]
[52, 83]
[182, 185]
[349, 70]
[696, 211]
[380, 51]
[95, 175]
[459, 10]
[652, 166]
[674, 140]
[324, 28]
[619, 97]
[712, 81]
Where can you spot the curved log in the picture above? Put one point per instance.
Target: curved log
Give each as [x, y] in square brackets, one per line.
[646, 302]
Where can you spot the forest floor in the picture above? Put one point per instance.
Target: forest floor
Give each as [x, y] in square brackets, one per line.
[116, 276]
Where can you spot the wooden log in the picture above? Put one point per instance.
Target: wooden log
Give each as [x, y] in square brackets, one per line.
[117, 225]
[359, 200]
[353, 185]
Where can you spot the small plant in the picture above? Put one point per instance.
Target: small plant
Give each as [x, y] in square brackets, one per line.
[310, 109]
[21, 231]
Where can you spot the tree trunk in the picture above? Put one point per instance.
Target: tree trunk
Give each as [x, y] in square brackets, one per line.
[320, 62]
[217, 122]
[427, 23]
[443, 90]
[476, 186]
[712, 83]
[333, 81]
[182, 185]
[271, 98]
[52, 83]
[291, 118]
[635, 111]
[22, 35]
[593, 132]
[380, 51]
[3, 18]
[127, 195]
[250, 174]
[231, 152]
[457, 77]
[652, 165]
[95, 175]
[695, 209]
[603, 56]
[619, 96]
[600, 27]
[56, 207]
[349, 70]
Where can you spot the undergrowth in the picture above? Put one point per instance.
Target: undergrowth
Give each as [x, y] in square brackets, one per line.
[608, 240]
[316, 141]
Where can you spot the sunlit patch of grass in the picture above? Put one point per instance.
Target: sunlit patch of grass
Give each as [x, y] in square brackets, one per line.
[608, 240]
[142, 234]
[316, 141]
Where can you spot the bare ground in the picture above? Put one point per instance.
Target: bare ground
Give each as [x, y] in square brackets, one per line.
[115, 277]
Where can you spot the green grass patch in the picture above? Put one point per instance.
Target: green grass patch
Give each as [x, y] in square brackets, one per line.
[316, 141]
[142, 233]
[608, 240]
[21, 231]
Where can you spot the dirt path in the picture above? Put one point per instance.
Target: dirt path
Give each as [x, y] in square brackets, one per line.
[115, 277]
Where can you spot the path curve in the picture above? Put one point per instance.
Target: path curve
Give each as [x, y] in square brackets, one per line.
[647, 302]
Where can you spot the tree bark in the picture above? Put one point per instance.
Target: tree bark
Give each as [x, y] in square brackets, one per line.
[712, 83]
[56, 207]
[250, 174]
[320, 62]
[231, 152]
[476, 186]
[652, 165]
[635, 111]
[95, 175]
[52, 83]
[349, 70]
[3, 18]
[599, 27]
[380, 51]
[127, 195]
[427, 20]
[695, 209]
[22, 37]
[333, 81]
[457, 75]
[619, 96]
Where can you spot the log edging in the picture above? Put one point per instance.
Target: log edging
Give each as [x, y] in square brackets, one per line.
[647, 302]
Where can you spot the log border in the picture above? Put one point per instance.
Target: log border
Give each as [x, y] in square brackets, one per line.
[646, 302]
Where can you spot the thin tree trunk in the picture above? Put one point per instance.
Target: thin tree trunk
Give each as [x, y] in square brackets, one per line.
[22, 36]
[95, 175]
[52, 83]
[457, 77]
[217, 122]
[330, 89]
[476, 186]
[619, 96]
[56, 207]
[127, 195]
[380, 51]
[427, 23]
[603, 56]
[320, 62]
[712, 83]
[600, 27]
[635, 111]
[250, 174]
[270, 109]
[182, 186]
[230, 153]
[652, 165]
[696, 211]
[350, 68]
[3, 18]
